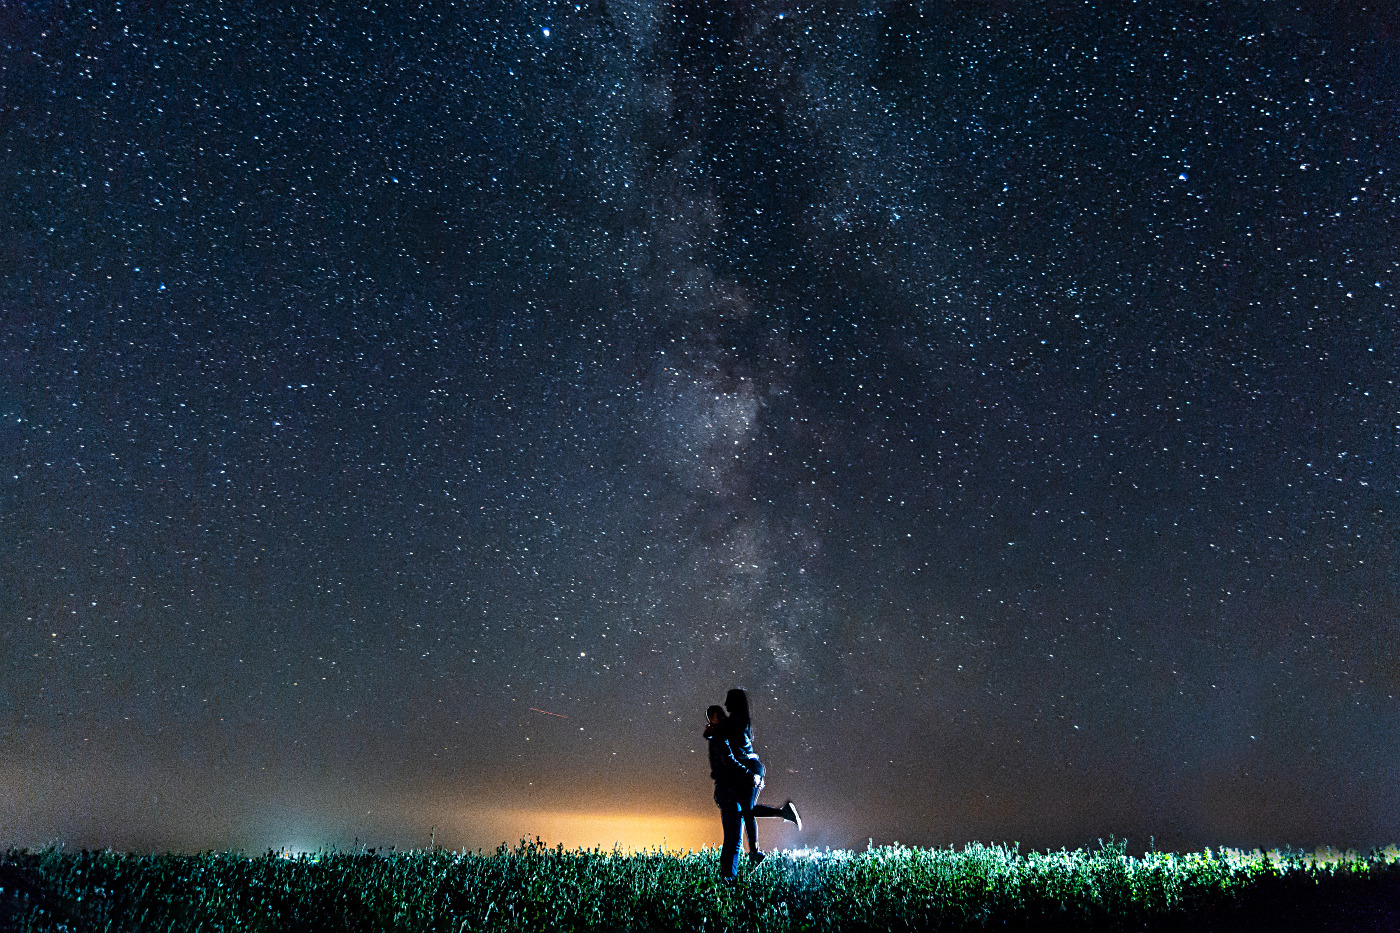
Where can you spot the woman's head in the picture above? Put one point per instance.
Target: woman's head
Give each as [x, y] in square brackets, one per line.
[737, 702]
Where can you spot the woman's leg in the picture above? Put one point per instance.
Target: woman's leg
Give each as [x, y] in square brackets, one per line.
[757, 809]
[750, 827]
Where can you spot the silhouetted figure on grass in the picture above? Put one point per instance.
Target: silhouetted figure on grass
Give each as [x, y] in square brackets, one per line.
[738, 777]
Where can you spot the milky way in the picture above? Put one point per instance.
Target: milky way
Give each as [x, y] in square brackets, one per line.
[415, 418]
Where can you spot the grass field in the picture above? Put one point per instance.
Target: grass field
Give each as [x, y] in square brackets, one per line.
[534, 887]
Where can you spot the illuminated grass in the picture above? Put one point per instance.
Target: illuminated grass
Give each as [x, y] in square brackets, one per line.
[537, 888]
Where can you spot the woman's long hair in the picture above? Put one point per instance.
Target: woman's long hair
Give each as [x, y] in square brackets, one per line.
[737, 702]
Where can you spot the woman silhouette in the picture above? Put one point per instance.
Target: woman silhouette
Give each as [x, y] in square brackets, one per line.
[737, 731]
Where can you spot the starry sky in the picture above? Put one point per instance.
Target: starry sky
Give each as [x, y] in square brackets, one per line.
[413, 417]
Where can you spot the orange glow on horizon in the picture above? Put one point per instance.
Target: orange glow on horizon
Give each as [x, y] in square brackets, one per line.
[587, 829]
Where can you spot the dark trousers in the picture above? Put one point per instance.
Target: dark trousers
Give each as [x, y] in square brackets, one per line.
[731, 817]
[737, 808]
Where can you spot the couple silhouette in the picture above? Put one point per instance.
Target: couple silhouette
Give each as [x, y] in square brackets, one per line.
[738, 777]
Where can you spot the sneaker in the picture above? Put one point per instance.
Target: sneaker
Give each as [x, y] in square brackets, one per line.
[756, 857]
[790, 814]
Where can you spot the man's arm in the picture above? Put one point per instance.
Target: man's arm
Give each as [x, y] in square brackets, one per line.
[745, 765]
[740, 769]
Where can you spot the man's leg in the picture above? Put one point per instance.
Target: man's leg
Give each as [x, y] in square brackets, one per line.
[730, 817]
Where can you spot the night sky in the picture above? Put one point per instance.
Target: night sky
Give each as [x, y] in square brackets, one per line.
[412, 418]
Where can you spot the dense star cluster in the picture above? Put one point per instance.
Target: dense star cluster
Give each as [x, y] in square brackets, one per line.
[420, 413]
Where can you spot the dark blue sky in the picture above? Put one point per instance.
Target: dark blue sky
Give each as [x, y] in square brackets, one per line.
[1005, 395]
